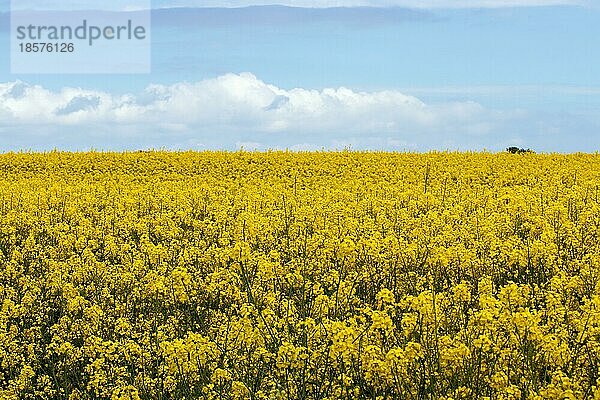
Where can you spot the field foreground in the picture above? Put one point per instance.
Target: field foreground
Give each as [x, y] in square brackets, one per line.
[299, 276]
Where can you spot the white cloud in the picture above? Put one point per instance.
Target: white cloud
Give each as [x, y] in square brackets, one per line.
[234, 103]
[241, 110]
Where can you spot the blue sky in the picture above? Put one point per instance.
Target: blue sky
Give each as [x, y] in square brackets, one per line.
[389, 74]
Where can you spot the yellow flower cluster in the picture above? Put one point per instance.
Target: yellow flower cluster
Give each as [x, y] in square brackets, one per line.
[280, 275]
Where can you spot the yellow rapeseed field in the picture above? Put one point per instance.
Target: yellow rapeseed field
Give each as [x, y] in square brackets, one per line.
[347, 275]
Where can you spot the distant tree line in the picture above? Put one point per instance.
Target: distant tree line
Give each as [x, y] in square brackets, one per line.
[516, 150]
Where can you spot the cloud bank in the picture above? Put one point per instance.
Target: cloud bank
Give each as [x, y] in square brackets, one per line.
[235, 105]
[236, 110]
